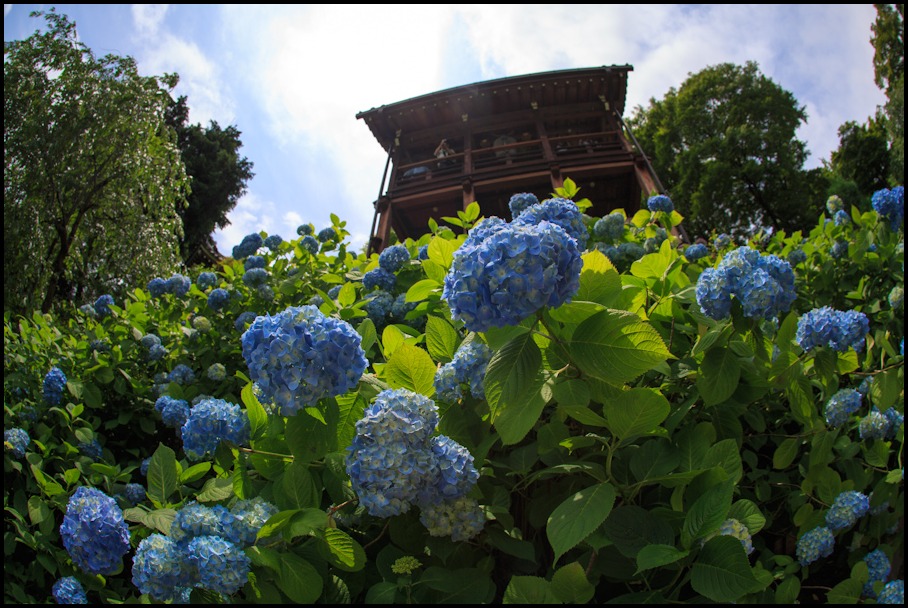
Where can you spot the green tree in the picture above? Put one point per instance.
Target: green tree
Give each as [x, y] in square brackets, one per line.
[92, 176]
[863, 155]
[218, 174]
[888, 42]
[724, 145]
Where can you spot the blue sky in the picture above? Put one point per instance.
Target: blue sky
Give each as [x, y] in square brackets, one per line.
[292, 78]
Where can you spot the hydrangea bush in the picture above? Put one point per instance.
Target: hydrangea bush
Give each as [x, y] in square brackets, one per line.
[546, 408]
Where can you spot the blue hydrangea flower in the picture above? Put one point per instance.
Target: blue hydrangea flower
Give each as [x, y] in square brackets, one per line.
[829, 327]
[467, 366]
[379, 278]
[254, 261]
[159, 567]
[249, 517]
[560, 211]
[764, 285]
[16, 440]
[156, 352]
[797, 256]
[834, 204]
[243, 320]
[713, 294]
[400, 307]
[88, 310]
[300, 356]
[815, 544]
[210, 422]
[248, 246]
[206, 279]
[304, 229]
[255, 277]
[54, 382]
[157, 287]
[196, 519]
[178, 285]
[733, 527]
[842, 405]
[847, 508]
[334, 292]
[143, 468]
[423, 253]
[864, 387]
[393, 258]
[149, 340]
[660, 202]
[134, 492]
[609, 228]
[504, 273]
[460, 518]
[94, 532]
[456, 473]
[839, 249]
[216, 372]
[892, 593]
[520, 202]
[174, 412]
[696, 251]
[327, 234]
[273, 242]
[841, 218]
[68, 590]
[399, 416]
[722, 241]
[92, 449]
[310, 244]
[879, 567]
[181, 374]
[874, 425]
[221, 565]
[102, 305]
[896, 420]
[890, 204]
[896, 297]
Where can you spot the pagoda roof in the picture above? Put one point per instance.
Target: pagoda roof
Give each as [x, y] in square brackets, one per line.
[539, 91]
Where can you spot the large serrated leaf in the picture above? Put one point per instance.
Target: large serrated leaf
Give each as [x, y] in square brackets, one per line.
[707, 513]
[529, 590]
[570, 585]
[655, 556]
[720, 372]
[441, 339]
[299, 580]
[636, 412]
[162, 474]
[577, 517]
[722, 571]
[511, 373]
[341, 550]
[411, 367]
[258, 417]
[617, 346]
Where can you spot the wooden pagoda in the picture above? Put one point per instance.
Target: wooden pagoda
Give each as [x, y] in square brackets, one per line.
[518, 134]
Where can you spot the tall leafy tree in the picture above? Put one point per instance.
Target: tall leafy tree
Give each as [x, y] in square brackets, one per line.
[217, 171]
[724, 145]
[863, 155]
[888, 42]
[92, 176]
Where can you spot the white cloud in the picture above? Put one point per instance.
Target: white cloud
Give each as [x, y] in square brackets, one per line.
[148, 17]
[251, 214]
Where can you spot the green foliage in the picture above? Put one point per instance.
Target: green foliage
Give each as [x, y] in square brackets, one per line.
[618, 433]
[725, 146]
[92, 177]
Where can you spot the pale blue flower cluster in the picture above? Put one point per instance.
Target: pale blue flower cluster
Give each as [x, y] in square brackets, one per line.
[393, 258]
[243, 319]
[254, 261]
[834, 204]
[733, 527]
[839, 249]
[696, 251]
[892, 593]
[401, 307]
[460, 518]
[134, 492]
[220, 565]
[178, 285]
[842, 405]
[890, 204]
[764, 285]
[248, 246]
[833, 328]
[174, 412]
[378, 306]
[395, 463]
[157, 287]
[309, 244]
[158, 568]
[304, 229]
[327, 234]
[815, 544]
[722, 241]
[273, 242]
[881, 425]
[300, 356]
[216, 372]
[848, 507]
[206, 279]
[609, 228]
[797, 256]
[94, 532]
[210, 422]
[16, 441]
[68, 590]
[560, 211]
[504, 272]
[468, 366]
[660, 202]
[181, 374]
[878, 567]
[54, 382]
[841, 218]
[423, 253]
[379, 278]
[254, 277]
[520, 202]
[102, 305]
